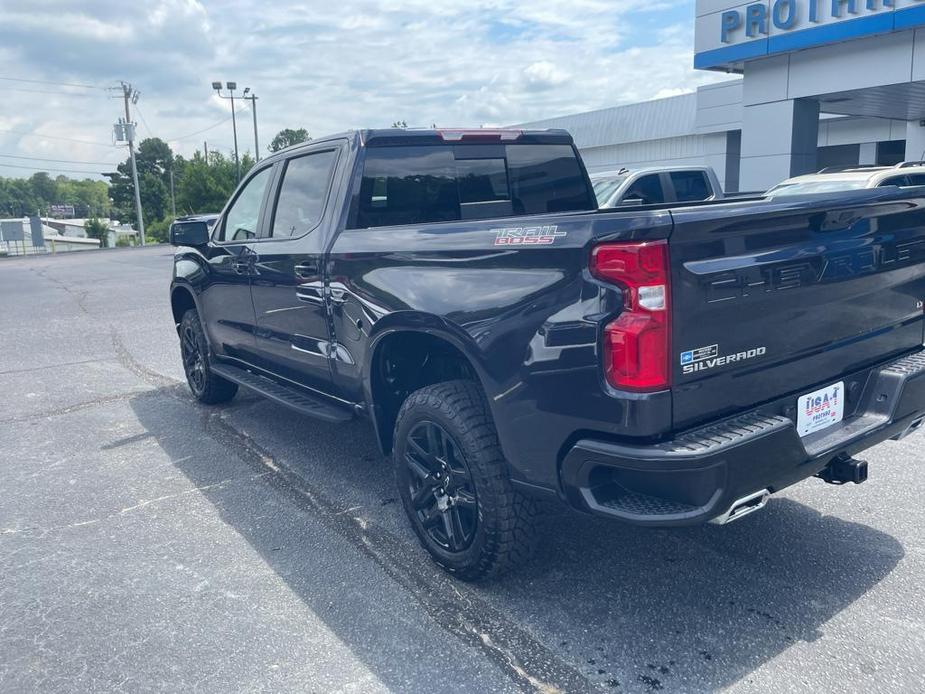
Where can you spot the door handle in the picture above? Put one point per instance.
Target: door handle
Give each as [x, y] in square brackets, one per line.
[306, 270]
[244, 263]
[338, 296]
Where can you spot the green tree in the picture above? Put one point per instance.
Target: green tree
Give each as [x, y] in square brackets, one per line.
[154, 156]
[122, 193]
[155, 196]
[44, 188]
[89, 198]
[158, 230]
[205, 186]
[98, 229]
[17, 198]
[154, 160]
[288, 137]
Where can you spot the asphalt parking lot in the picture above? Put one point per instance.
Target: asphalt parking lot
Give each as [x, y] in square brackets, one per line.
[151, 544]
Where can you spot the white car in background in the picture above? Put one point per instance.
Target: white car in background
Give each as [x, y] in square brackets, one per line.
[831, 180]
[656, 185]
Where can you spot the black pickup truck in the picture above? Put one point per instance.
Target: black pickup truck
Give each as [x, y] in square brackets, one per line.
[511, 343]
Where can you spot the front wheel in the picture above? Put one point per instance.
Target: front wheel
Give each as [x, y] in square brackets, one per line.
[454, 483]
[205, 385]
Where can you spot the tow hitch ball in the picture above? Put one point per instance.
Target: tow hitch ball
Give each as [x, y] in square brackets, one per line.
[843, 470]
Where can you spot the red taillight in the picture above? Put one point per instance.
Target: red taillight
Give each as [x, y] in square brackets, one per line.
[637, 345]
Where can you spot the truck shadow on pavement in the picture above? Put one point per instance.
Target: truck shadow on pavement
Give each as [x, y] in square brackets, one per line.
[602, 606]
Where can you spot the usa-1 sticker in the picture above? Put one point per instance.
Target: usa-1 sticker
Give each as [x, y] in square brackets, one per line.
[528, 236]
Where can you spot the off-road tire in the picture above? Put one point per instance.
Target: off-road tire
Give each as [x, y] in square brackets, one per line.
[504, 534]
[205, 386]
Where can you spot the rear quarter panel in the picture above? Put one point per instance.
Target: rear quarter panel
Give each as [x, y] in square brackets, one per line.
[527, 318]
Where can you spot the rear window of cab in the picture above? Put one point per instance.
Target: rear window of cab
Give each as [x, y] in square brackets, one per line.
[445, 183]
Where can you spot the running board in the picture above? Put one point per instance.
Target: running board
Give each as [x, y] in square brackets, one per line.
[290, 396]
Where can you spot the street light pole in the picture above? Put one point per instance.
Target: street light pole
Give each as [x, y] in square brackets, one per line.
[231, 86]
[234, 127]
[253, 99]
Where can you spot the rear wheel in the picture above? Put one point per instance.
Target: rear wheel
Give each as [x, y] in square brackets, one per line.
[205, 385]
[454, 483]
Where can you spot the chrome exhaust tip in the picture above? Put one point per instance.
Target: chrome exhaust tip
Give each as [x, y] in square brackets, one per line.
[744, 506]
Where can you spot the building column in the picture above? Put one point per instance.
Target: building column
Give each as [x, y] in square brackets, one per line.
[867, 154]
[779, 140]
[915, 141]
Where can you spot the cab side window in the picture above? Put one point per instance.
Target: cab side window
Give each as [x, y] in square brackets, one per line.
[690, 186]
[244, 215]
[894, 181]
[303, 194]
[648, 189]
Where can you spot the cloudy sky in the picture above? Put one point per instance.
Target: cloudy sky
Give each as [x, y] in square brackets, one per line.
[323, 65]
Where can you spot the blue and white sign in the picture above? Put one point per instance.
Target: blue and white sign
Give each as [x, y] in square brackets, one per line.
[727, 33]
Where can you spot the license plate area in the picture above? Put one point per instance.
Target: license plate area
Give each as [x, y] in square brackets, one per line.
[821, 409]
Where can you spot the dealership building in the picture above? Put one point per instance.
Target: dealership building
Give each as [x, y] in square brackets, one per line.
[819, 83]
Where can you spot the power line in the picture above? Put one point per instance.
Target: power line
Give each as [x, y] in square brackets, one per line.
[57, 137]
[49, 91]
[46, 168]
[62, 161]
[211, 127]
[57, 84]
[143, 121]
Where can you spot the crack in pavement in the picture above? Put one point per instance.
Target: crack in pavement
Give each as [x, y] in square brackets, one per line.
[57, 365]
[122, 353]
[77, 407]
[43, 532]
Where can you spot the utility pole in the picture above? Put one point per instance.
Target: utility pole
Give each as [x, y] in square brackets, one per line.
[231, 86]
[253, 99]
[205, 149]
[129, 94]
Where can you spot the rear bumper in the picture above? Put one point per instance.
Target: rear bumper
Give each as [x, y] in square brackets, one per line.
[699, 475]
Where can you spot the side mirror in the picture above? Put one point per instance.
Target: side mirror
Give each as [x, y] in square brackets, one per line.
[192, 233]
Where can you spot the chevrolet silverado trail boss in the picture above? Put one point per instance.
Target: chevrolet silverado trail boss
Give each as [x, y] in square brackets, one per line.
[659, 365]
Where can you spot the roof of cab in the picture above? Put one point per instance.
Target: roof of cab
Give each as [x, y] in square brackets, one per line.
[407, 136]
[625, 171]
[380, 137]
[859, 173]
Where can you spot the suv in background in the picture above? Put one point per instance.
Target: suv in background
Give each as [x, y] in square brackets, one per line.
[829, 180]
[656, 185]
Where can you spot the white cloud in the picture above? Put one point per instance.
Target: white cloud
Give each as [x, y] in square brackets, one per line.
[544, 75]
[330, 66]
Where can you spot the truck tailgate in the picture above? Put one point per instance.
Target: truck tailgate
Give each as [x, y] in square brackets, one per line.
[786, 297]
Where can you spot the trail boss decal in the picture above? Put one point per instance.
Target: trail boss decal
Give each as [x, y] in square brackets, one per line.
[705, 358]
[527, 236]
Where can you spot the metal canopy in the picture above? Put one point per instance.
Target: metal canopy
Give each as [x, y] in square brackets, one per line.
[903, 101]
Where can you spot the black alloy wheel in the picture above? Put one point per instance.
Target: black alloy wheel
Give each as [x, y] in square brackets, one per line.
[441, 488]
[455, 483]
[193, 361]
[207, 387]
